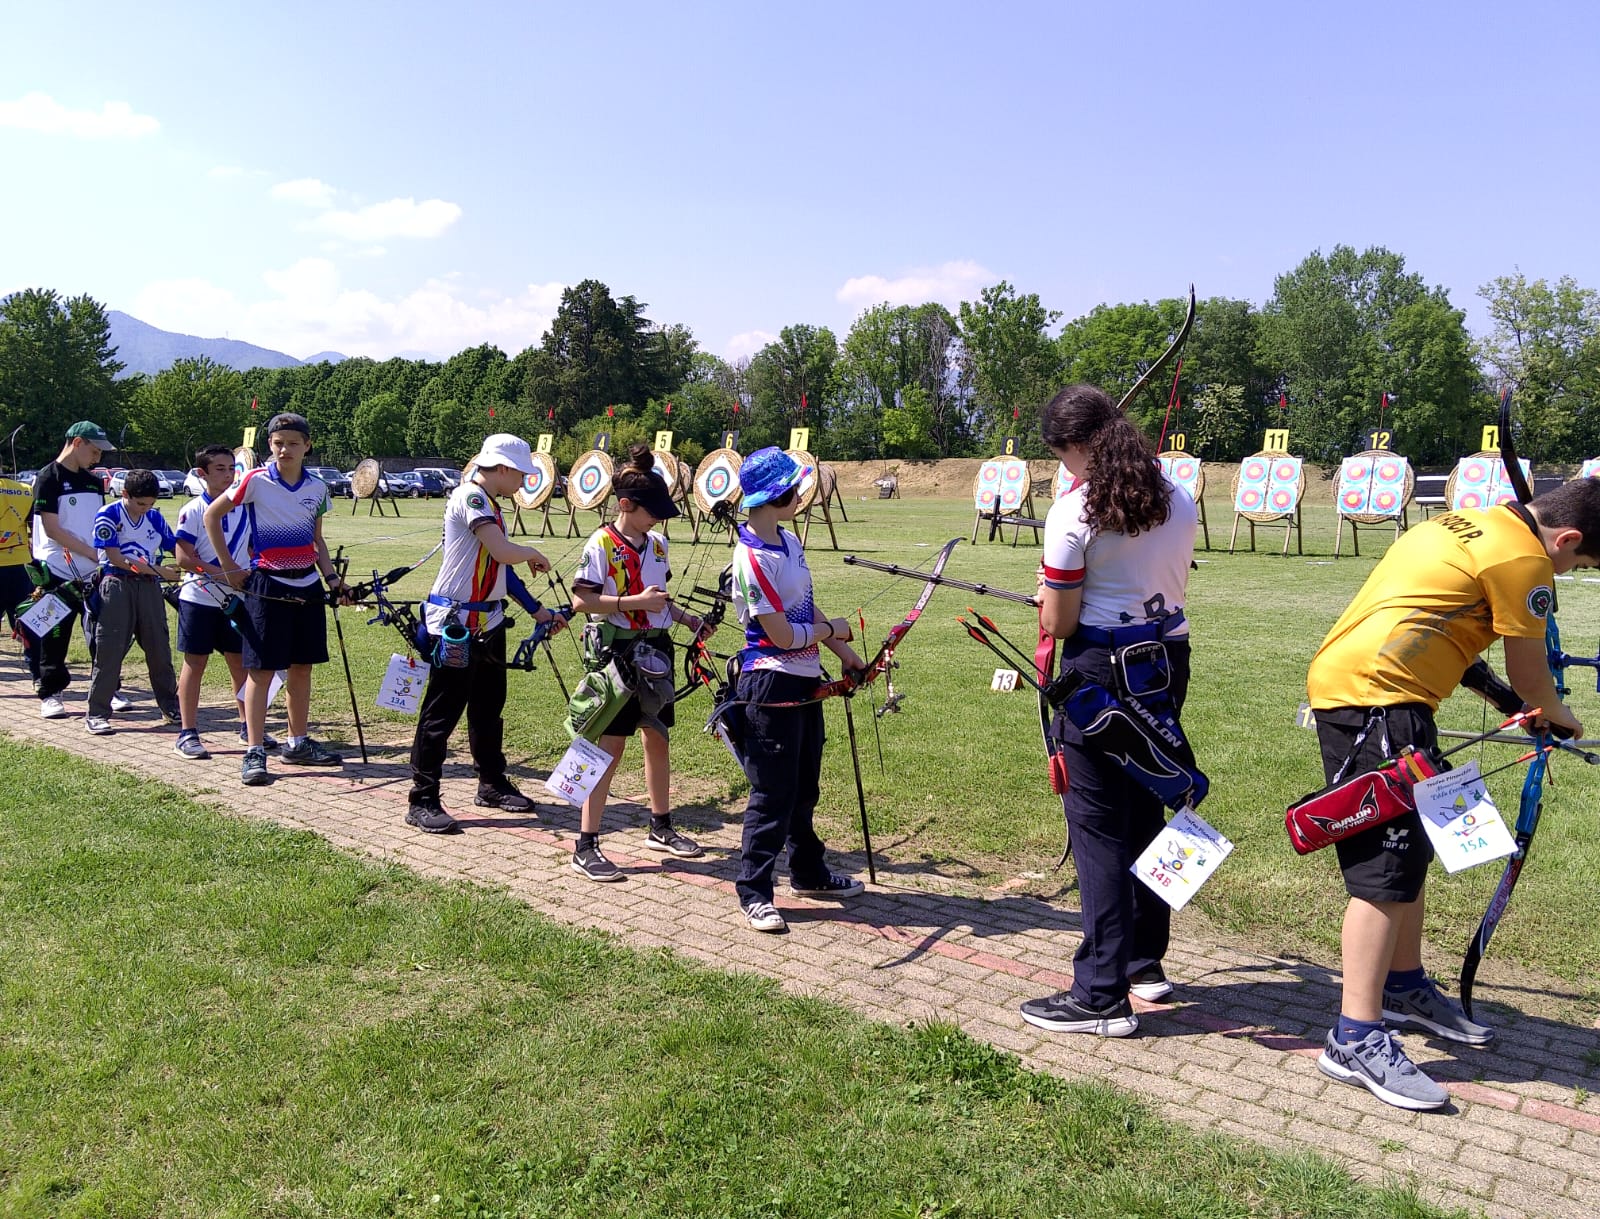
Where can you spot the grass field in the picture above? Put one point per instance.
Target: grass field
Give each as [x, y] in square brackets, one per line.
[961, 797]
[206, 1017]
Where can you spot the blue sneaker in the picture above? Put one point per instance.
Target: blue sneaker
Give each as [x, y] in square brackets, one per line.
[1379, 1064]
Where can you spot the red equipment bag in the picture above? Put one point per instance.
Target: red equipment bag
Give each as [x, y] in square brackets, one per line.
[1349, 806]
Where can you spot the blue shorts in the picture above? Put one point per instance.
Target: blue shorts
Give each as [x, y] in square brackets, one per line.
[204, 629]
[286, 624]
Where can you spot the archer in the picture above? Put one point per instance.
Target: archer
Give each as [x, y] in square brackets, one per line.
[1441, 595]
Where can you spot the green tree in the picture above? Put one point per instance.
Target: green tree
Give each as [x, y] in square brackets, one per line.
[1009, 362]
[1344, 329]
[791, 384]
[379, 427]
[57, 366]
[890, 349]
[1546, 345]
[194, 402]
[602, 352]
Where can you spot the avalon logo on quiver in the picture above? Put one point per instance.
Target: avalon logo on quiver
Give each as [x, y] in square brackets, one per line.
[1366, 814]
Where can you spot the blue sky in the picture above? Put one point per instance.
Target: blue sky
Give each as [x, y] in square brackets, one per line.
[417, 178]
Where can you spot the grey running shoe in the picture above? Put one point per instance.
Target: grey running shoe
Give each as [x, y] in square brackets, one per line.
[1426, 1008]
[190, 746]
[592, 863]
[120, 701]
[764, 916]
[268, 742]
[1379, 1065]
[253, 770]
[674, 843]
[1150, 984]
[1061, 1013]
[98, 725]
[309, 753]
[829, 885]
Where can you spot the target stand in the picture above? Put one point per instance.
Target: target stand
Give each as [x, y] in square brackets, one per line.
[716, 481]
[1267, 489]
[832, 494]
[1374, 489]
[368, 483]
[811, 496]
[588, 487]
[1189, 476]
[1004, 487]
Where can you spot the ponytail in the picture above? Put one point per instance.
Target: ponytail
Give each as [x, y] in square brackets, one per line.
[1126, 493]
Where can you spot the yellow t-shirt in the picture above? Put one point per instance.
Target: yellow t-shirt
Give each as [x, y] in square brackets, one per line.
[1442, 594]
[15, 501]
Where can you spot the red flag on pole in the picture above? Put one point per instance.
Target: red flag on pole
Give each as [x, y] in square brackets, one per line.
[1283, 402]
[252, 404]
[491, 412]
[736, 406]
[551, 413]
[669, 408]
[802, 403]
[610, 413]
[1015, 414]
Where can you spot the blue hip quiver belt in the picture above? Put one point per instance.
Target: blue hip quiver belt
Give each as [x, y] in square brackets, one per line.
[1136, 725]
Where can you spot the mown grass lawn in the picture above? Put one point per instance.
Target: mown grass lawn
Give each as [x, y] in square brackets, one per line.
[200, 1016]
[962, 792]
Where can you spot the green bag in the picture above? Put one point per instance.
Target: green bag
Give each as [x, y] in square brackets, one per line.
[595, 702]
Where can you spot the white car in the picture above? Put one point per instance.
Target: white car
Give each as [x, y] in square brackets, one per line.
[121, 476]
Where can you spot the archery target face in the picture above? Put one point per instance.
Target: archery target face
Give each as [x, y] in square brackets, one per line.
[988, 488]
[717, 479]
[537, 487]
[1591, 468]
[667, 468]
[590, 481]
[1184, 471]
[1062, 483]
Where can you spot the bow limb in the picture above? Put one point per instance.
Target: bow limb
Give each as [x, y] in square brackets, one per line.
[875, 667]
[1172, 350]
[1531, 801]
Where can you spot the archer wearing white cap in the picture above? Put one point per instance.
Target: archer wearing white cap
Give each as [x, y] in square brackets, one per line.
[464, 628]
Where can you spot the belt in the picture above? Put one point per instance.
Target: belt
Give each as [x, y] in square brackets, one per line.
[286, 573]
[472, 607]
[1134, 632]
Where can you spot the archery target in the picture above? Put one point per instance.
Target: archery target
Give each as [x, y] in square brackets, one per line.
[717, 479]
[806, 495]
[589, 482]
[1004, 481]
[1268, 485]
[1479, 481]
[537, 487]
[1062, 484]
[828, 484]
[1373, 486]
[244, 460]
[1591, 468]
[1186, 472]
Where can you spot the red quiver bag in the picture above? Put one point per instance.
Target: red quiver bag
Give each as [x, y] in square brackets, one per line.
[1349, 806]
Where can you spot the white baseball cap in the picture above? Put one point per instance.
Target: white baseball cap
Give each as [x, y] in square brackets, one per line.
[504, 449]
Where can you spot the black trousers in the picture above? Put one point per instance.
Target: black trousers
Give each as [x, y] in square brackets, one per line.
[1126, 927]
[783, 761]
[479, 689]
[47, 657]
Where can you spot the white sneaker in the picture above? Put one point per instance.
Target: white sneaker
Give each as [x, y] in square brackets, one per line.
[98, 725]
[52, 708]
[764, 916]
[120, 701]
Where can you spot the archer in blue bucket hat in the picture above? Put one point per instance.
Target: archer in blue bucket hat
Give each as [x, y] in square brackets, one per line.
[768, 473]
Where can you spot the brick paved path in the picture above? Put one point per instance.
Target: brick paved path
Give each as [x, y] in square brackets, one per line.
[1234, 1052]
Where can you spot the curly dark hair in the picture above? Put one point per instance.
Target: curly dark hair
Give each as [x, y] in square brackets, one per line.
[1126, 491]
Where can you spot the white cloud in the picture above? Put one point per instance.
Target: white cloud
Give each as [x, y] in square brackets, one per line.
[746, 344]
[225, 171]
[41, 112]
[308, 192]
[949, 284]
[383, 221]
[308, 309]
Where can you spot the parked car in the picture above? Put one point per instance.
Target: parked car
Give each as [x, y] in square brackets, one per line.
[405, 482]
[338, 484]
[450, 478]
[193, 484]
[118, 477]
[176, 480]
[103, 473]
[432, 485]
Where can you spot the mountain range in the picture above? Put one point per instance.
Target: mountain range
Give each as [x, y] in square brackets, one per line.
[149, 349]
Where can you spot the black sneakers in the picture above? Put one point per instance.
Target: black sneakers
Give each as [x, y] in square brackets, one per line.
[502, 795]
[1061, 1013]
[309, 753]
[429, 817]
[253, 770]
[591, 862]
[673, 843]
[829, 884]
